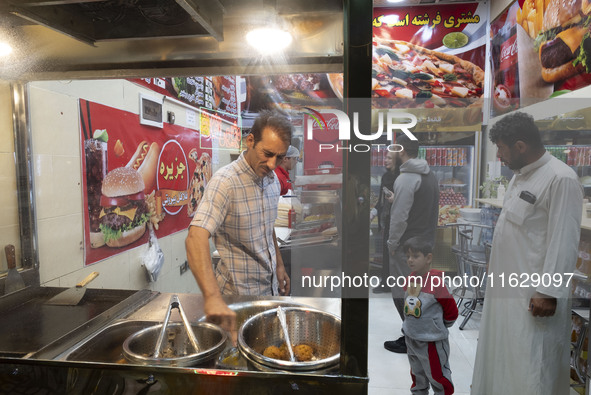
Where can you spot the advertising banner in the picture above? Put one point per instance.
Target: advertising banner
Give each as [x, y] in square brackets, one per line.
[429, 57]
[297, 96]
[217, 93]
[134, 175]
[539, 50]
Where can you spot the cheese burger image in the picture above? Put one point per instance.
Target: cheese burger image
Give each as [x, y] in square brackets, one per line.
[565, 43]
[124, 211]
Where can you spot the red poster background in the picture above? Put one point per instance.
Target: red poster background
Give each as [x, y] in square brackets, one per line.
[175, 143]
[315, 157]
[432, 36]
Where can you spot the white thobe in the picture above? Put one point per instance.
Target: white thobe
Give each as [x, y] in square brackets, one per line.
[518, 353]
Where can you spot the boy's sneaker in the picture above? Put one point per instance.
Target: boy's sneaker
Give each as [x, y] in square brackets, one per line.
[397, 346]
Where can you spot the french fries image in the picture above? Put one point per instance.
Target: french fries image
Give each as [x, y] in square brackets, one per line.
[531, 16]
[155, 208]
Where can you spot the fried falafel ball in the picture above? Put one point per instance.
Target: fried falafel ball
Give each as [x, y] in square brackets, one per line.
[273, 352]
[303, 352]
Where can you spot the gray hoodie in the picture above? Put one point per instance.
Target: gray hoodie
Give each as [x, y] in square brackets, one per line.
[415, 209]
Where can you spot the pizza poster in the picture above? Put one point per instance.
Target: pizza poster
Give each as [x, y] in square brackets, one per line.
[216, 93]
[429, 56]
[135, 176]
[539, 50]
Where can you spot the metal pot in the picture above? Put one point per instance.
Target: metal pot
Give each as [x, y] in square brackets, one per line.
[317, 329]
[139, 347]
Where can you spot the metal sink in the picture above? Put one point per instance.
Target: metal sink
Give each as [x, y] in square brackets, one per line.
[107, 345]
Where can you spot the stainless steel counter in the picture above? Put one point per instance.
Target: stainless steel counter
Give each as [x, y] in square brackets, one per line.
[193, 305]
[49, 368]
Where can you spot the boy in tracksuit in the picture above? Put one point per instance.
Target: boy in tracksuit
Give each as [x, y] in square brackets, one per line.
[429, 310]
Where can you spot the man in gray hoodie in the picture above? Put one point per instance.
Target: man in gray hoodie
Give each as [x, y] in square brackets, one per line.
[414, 212]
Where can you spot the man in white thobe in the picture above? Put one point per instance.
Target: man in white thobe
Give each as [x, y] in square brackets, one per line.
[523, 344]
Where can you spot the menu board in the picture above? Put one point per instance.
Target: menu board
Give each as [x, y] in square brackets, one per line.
[173, 163]
[428, 57]
[538, 52]
[216, 93]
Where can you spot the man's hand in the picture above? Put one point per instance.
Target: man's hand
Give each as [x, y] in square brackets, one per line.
[283, 279]
[217, 312]
[542, 305]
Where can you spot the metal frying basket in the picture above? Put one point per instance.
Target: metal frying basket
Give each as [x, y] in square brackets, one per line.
[176, 344]
[317, 329]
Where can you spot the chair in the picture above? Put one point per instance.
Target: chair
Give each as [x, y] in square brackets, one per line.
[473, 246]
[474, 257]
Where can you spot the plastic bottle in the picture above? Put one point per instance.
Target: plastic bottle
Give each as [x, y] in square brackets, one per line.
[501, 192]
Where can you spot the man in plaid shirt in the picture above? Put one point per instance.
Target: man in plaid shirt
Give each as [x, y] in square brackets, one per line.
[238, 210]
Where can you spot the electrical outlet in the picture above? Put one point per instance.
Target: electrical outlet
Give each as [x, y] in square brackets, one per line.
[184, 267]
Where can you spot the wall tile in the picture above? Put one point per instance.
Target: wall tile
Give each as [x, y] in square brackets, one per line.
[60, 246]
[9, 234]
[44, 185]
[55, 125]
[67, 186]
[6, 130]
[8, 197]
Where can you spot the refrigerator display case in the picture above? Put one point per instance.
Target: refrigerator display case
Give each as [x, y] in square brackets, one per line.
[453, 158]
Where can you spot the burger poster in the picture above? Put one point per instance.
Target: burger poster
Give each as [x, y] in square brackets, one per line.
[429, 56]
[539, 50]
[135, 175]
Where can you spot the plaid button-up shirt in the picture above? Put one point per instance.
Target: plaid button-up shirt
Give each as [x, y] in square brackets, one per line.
[239, 209]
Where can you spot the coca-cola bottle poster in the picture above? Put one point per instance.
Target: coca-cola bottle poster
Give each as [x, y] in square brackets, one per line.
[504, 62]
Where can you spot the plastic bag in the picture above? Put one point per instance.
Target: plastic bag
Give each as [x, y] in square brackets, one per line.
[153, 258]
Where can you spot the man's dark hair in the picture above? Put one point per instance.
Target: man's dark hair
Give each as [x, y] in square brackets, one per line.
[273, 120]
[411, 147]
[418, 244]
[515, 127]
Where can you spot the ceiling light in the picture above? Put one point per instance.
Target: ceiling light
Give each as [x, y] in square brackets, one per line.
[395, 1]
[5, 49]
[268, 40]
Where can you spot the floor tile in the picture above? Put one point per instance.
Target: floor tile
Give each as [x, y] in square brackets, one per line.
[389, 373]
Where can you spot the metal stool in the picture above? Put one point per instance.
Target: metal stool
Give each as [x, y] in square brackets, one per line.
[473, 246]
[475, 266]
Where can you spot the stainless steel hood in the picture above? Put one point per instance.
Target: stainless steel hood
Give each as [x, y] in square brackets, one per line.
[117, 38]
[92, 21]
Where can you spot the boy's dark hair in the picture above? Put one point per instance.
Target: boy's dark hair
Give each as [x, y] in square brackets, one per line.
[274, 120]
[515, 127]
[411, 147]
[417, 244]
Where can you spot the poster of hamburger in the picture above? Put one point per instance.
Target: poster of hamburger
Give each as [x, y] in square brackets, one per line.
[540, 49]
[136, 176]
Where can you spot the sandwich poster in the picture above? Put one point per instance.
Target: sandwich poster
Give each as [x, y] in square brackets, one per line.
[539, 49]
[135, 176]
[429, 56]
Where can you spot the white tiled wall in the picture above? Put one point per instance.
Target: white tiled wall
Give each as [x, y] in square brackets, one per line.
[54, 114]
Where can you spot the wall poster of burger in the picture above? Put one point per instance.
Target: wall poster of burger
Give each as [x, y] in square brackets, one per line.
[539, 50]
[136, 175]
[430, 57]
